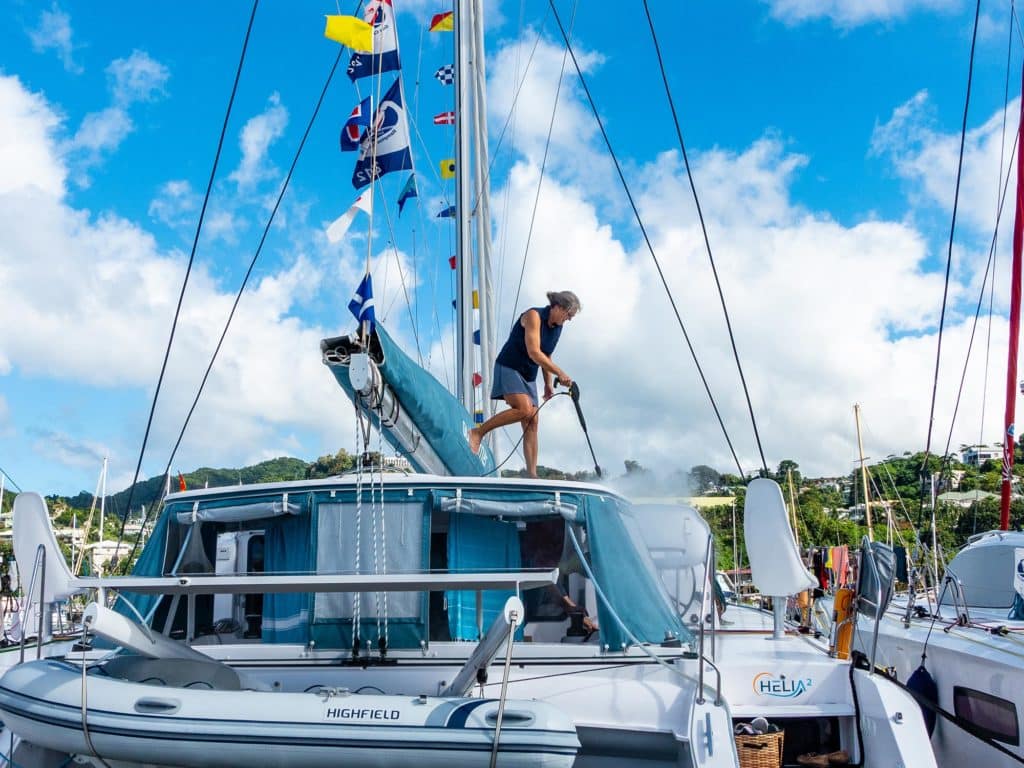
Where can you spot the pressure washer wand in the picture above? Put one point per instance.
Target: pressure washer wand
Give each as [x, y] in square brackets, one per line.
[574, 393]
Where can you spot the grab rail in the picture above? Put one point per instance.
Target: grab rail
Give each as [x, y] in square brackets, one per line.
[38, 566]
[701, 658]
[963, 613]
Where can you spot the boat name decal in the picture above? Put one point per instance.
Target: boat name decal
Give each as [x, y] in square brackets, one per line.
[348, 713]
[781, 687]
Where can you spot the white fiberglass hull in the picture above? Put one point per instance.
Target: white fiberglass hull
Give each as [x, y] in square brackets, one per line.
[41, 703]
[966, 658]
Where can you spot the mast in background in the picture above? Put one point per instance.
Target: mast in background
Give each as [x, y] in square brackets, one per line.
[863, 474]
[1011, 361]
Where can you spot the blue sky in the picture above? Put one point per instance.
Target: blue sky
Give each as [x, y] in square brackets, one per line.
[823, 137]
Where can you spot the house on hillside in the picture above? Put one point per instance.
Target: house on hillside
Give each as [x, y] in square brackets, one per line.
[964, 499]
[976, 455]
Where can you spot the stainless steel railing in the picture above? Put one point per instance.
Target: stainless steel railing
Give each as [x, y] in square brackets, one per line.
[38, 567]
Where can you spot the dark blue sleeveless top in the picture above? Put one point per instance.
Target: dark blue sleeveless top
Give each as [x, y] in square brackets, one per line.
[514, 355]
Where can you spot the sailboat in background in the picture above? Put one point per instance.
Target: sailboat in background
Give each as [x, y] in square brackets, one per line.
[443, 616]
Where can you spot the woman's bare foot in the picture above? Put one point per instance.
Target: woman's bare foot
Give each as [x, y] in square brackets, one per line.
[474, 437]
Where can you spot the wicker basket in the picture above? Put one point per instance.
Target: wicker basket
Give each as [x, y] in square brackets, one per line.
[762, 750]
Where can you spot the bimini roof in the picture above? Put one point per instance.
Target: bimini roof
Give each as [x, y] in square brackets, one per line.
[396, 480]
[986, 568]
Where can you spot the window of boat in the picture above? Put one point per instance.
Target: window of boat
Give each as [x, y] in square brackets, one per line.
[488, 530]
[519, 529]
[989, 715]
[676, 538]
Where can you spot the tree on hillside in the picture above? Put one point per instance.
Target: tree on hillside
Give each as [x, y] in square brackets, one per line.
[328, 466]
[782, 473]
[634, 468]
[703, 478]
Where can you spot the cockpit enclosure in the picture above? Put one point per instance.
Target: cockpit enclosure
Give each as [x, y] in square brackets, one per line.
[406, 526]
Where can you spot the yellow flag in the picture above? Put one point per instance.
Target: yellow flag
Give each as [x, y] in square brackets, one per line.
[447, 169]
[350, 31]
[476, 300]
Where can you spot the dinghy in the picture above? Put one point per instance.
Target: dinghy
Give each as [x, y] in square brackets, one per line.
[195, 713]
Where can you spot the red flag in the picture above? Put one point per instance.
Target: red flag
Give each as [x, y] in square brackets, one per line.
[442, 22]
[181, 482]
[477, 379]
[445, 118]
[451, 262]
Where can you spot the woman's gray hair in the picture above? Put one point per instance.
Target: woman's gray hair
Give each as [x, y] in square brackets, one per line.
[567, 300]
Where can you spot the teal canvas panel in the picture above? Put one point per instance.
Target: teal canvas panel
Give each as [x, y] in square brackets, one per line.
[625, 574]
[479, 544]
[287, 549]
[150, 563]
[436, 412]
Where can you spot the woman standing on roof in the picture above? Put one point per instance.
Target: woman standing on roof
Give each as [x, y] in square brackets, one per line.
[532, 340]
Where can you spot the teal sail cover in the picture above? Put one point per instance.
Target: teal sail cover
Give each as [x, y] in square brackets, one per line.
[436, 412]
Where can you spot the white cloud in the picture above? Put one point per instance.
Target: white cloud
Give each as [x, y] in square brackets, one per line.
[54, 32]
[26, 135]
[99, 289]
[852, 13]
[536, 73]
[102, 131]
[137, 78]
[927, 159]
[824, 314]
[68, 450]
[258, 134]
[175, 203]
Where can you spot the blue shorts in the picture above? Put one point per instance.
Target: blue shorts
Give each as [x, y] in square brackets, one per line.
[508, 381]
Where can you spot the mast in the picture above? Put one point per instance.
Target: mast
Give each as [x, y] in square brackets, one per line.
[103, 496]
[483, 213]
[792, 506]
[863, 474]
[1014, 340]
[463, 210]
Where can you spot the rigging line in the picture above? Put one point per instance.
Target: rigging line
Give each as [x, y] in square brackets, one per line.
[543, 165]
[502, 249]
[949, 259]
[989, 268]
[647, 240]
[885, 504]
[707, 239]
[511, 112]
[238, 295]
[188, 269]
[401, 277]
[7, 475]
[992, 285]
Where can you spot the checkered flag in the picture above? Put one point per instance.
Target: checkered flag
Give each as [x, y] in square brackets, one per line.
[446, 74]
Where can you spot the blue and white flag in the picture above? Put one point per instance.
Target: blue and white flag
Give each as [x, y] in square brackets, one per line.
[446, 74]
[385, 144]
[362, 302]
[409, 190]
[447, 213]
[381, 16]
[350, 133]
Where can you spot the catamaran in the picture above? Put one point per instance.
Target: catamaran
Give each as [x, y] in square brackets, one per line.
[443, 616]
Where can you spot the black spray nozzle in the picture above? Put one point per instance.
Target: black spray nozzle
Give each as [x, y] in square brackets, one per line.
[574, 393]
